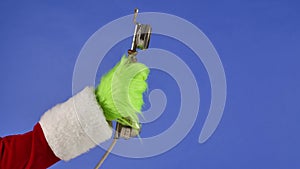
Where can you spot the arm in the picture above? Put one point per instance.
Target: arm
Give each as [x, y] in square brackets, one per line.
[63, 133]
[79, 124]
[29, 150]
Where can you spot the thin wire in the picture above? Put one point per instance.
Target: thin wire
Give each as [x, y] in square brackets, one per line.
[109, 149]
[106, 154]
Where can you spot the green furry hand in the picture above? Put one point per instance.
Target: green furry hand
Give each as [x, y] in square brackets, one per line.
[120, 92]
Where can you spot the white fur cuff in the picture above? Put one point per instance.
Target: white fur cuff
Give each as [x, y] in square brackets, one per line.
[75, 126]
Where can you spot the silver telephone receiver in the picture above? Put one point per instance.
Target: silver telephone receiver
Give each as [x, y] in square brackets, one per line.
[140, 40]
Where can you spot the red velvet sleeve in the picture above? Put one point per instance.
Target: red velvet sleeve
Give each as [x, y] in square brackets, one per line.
[26, 151]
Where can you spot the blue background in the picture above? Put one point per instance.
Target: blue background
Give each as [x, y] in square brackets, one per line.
[258, 42]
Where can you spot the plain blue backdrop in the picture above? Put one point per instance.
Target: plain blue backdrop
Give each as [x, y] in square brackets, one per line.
[259, 45]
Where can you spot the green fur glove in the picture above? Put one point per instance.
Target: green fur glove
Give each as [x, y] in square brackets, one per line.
[120, 92]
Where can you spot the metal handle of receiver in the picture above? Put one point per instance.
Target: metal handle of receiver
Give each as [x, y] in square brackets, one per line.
[140, 40]
[141, 37]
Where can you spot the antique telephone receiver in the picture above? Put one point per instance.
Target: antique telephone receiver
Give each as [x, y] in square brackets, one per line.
[141, 39]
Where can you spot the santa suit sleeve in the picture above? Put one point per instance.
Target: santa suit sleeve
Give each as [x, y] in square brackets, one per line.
[63, 133]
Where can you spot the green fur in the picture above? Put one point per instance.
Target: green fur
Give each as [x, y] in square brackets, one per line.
[120, 92]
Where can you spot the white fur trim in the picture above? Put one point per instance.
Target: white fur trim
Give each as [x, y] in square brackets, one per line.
[75, 126]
